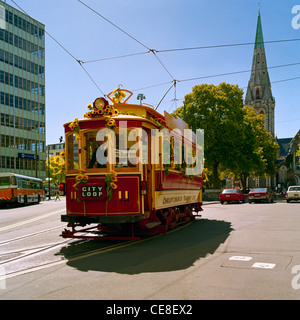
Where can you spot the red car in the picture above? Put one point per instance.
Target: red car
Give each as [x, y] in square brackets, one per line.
[230, 195]
[260, 194]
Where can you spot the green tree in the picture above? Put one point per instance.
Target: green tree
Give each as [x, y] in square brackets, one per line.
[219, 111]
[235, 138]
[257, 150]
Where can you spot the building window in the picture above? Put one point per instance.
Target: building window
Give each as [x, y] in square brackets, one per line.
[257, 93]
[256, 181]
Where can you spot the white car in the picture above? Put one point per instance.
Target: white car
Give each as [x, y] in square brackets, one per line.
[293, 193]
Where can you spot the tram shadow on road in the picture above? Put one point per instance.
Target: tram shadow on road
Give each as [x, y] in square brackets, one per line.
[170, 252]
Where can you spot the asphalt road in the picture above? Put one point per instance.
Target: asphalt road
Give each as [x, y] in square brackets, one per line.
[235, 251]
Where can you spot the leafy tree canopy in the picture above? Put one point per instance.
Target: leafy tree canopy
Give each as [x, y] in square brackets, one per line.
[235, 138]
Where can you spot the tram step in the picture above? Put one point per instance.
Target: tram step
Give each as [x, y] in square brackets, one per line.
[151, 225]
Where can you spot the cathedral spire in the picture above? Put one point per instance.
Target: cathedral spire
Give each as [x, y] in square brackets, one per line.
[259, 94]
[259, 39]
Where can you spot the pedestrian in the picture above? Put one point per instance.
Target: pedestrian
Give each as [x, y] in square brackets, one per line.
[57, 196]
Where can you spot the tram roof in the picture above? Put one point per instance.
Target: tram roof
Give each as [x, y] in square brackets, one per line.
[142, 112]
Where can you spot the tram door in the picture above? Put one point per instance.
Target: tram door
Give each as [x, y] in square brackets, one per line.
[147, 170]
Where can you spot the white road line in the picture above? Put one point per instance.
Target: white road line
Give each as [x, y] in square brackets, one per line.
[21, 223]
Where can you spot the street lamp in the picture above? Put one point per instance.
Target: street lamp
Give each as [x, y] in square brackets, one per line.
[140, 97]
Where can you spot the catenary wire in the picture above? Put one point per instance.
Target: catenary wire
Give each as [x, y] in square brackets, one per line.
[223, 74]
[165, 50]
[100, 15]
[117, 57]
[67, 51]
[226, 45]
[129, 35]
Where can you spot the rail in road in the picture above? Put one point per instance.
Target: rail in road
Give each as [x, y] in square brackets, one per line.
[28, 259]
[234, 251]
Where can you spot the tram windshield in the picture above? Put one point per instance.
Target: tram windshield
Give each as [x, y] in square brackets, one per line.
[119, 148]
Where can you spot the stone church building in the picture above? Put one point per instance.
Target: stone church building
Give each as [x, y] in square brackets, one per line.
[259, 96]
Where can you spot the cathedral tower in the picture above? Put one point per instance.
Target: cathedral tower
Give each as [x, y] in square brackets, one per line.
[259, 94]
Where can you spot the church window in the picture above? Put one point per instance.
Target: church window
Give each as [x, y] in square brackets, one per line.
[257, 93]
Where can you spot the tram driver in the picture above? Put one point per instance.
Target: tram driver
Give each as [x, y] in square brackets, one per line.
[99, 155]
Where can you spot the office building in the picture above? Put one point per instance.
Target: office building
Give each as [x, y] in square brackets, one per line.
[22, 93]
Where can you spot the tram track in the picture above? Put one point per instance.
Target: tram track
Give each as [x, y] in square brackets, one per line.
[29, 252]
[2, 243]
[34, 252]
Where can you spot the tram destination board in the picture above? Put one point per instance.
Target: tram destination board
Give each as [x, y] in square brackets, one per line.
[92, 192]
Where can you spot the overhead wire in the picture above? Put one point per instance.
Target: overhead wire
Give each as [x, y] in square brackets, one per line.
[100, 15]
[177, 49]
[226, 45]
[129, 35]
[220, 75]
[117, 57]
[67, 51]
[163, 51]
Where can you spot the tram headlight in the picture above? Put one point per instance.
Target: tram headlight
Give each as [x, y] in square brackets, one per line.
[100, 103]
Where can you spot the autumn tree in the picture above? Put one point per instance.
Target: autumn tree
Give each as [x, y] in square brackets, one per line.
[57, 168]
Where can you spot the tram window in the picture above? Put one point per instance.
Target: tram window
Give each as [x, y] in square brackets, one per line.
[121, 149]
[177, 151]
[72, 152]
[91, 147]
[189, 156]
[145, 146]
[126, 149]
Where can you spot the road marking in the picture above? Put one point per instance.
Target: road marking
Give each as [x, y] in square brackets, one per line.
[240, 258]
[21, 223]
[263, 265]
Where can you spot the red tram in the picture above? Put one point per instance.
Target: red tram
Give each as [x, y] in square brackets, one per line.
[128, 171]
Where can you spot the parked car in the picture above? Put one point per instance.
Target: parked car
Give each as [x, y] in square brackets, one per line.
[293, 193]
[231, 195]
[261, 194]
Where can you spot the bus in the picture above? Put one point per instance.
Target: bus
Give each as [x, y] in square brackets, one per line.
[16, 188]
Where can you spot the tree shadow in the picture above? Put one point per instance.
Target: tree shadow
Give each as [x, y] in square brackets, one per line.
[170, 252]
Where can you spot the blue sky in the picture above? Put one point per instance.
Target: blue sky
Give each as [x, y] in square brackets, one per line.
[161, 25]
